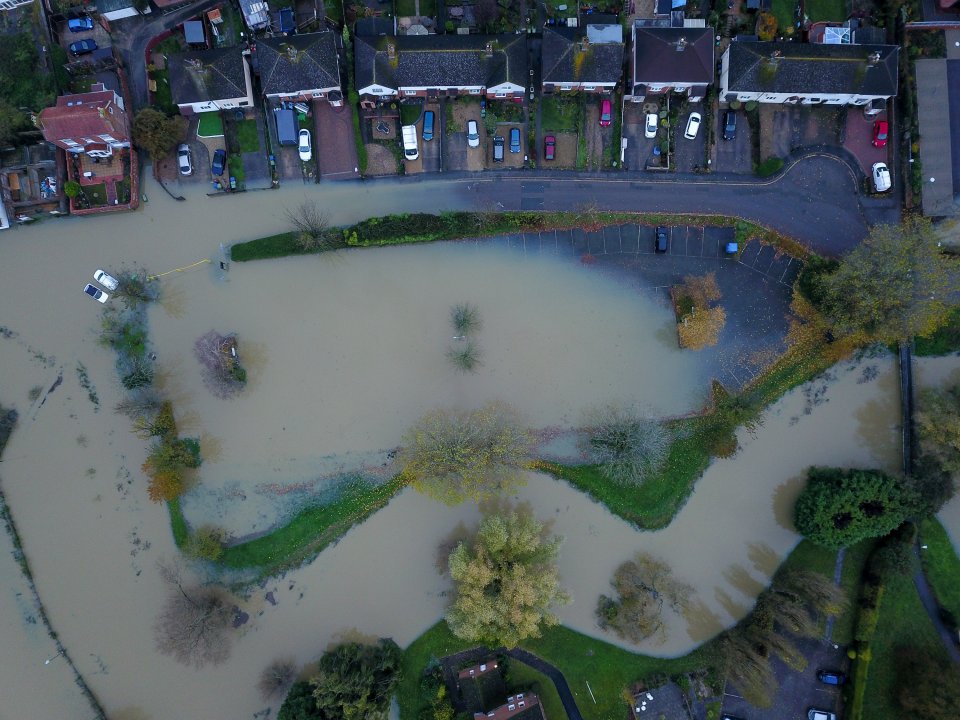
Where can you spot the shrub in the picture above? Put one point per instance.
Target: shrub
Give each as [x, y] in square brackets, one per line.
[770, 166]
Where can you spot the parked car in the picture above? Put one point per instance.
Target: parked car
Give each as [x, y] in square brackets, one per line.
[730, 717]
[693, 126]
[184, 159]
[473, 134]
[514, 140]
[661, 240]
[498, 148]
[729, 125]
[108, 281]
[411, 151]
[96, 293]
[606, 117]
[651, 125]
[831, 677]
[82, 47]
[219, 162]
[815, 714]
[880, 130]
[305, 145]
[428, 126]
[881, 177]
[80, 24]
[549, 147]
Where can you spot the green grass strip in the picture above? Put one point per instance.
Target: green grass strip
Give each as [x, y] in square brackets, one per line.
[941, 566]
[178, 523]
[311, 530]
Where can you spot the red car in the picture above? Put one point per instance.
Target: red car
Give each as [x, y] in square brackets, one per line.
[605, 115]
[880, 130]
[549, 147]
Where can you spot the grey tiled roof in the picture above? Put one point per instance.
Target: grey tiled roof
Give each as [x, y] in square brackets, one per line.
[441, 60]
[300, 62]
[106, 6]
[567, 59]
[805, 68]
[207, 75]
[657, 59]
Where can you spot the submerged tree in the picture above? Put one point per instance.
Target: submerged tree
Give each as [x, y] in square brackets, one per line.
[645, 586]
[356, 680]
[938, 426]
[628, 446]
[276, 679]
[222, 373]
[454, 455]
[465, 319]
[506, 581]
[310, 227]
[465, 357]
[699, 323]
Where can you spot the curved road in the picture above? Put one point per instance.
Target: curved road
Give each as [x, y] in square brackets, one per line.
[566, 697]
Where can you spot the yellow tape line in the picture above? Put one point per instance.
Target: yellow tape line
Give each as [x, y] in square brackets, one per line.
[180, 269]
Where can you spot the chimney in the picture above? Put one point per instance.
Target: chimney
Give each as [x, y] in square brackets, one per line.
[873, 58]
[488, 50]
[681, 44]
[776, 55]
[391, 51]
[584, 44]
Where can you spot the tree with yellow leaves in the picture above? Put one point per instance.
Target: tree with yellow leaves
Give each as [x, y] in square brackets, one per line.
[698, 324]
[455, 455]
[506, 581]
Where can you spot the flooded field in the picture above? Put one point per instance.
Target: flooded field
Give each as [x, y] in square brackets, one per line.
[71, 471]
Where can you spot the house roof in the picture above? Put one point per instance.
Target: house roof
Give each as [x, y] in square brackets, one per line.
[84, 115]
[193, 32]
[569, 55]
[107, 6]
[205, 75]
[441, 60]
[299, 62]
[673, 54]
[803, 68]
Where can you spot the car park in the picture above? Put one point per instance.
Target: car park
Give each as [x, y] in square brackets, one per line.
[96, 293]
[652, 122]
[219, 162]
[549, 147]
[473, 134]
[498, 148]
[428, 126]
[82, 47]
[80, 24]
[831, 677]
[693, 126]
[881, 129]
[606, 117]
[815, 714]
[514, 140]
[107, 280]
[305, 145]
[661, 240]
[881, 177]
[729, 125]
[184, 159]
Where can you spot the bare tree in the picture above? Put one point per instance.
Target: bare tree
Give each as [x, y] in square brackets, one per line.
[136, 287]
[628, 446]
[276, 679]
[192, 626]
[136, 404]
[311, 228]
[222, 372]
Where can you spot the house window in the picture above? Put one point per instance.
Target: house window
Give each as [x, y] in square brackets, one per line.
[318, 95]
[566, 87]
[244, 103]
[475, 91]
[410, 92]
[656, 88]
[108, 138]
[70, 142]
[589, 88]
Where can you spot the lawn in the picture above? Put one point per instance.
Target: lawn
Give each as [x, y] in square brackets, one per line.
[851, 580]
[522, 677]
[903, 621]
[410, 113]
[826, 10]
[560, 113]
[96, 194]
[235, 168]
[943, 341]
[783, 11]
[211, 125]
[162, 97]
[248, 136]
[941, 565]
[404, 8]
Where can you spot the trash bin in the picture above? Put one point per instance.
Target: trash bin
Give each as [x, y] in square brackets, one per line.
[732, 248]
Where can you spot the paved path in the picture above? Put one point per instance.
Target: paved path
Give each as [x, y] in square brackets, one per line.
[566, 697]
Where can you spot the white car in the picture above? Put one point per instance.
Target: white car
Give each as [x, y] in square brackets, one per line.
[473, 135]
[305, 148]
[881, 177]
[184, 160]
[96, 293]
[108, 281]
[650, 127]
[693, 126]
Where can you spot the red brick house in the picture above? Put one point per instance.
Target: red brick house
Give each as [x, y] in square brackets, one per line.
[94, 123]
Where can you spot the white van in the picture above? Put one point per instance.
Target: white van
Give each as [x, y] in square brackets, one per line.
[410, 149]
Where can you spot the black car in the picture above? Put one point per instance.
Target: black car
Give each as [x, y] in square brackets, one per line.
[729, 125]
[498, 148]
[515, 140]
[661, 240]
[82, 47]
[219, 161]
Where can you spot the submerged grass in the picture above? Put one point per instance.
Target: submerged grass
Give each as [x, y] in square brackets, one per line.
[941, 566]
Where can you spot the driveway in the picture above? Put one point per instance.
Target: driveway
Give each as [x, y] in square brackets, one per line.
[689, 155]
[858, 139]
[457, 154]
[336, 148]
[639, 154]
[431, 152]
[734, 156]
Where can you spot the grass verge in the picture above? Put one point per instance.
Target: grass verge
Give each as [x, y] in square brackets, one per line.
[944, 341]
[941, 566]
[903, 621]
[851, 580]
[210, 125]
[248, 136]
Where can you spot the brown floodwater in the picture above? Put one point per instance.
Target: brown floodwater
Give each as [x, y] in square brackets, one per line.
[71, 471]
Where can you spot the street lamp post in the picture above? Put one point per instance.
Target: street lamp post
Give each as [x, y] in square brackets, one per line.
[51, 659]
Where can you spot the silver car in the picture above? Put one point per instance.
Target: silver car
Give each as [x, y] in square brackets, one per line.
[184, 160]
[108, 281]
[473, 134]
